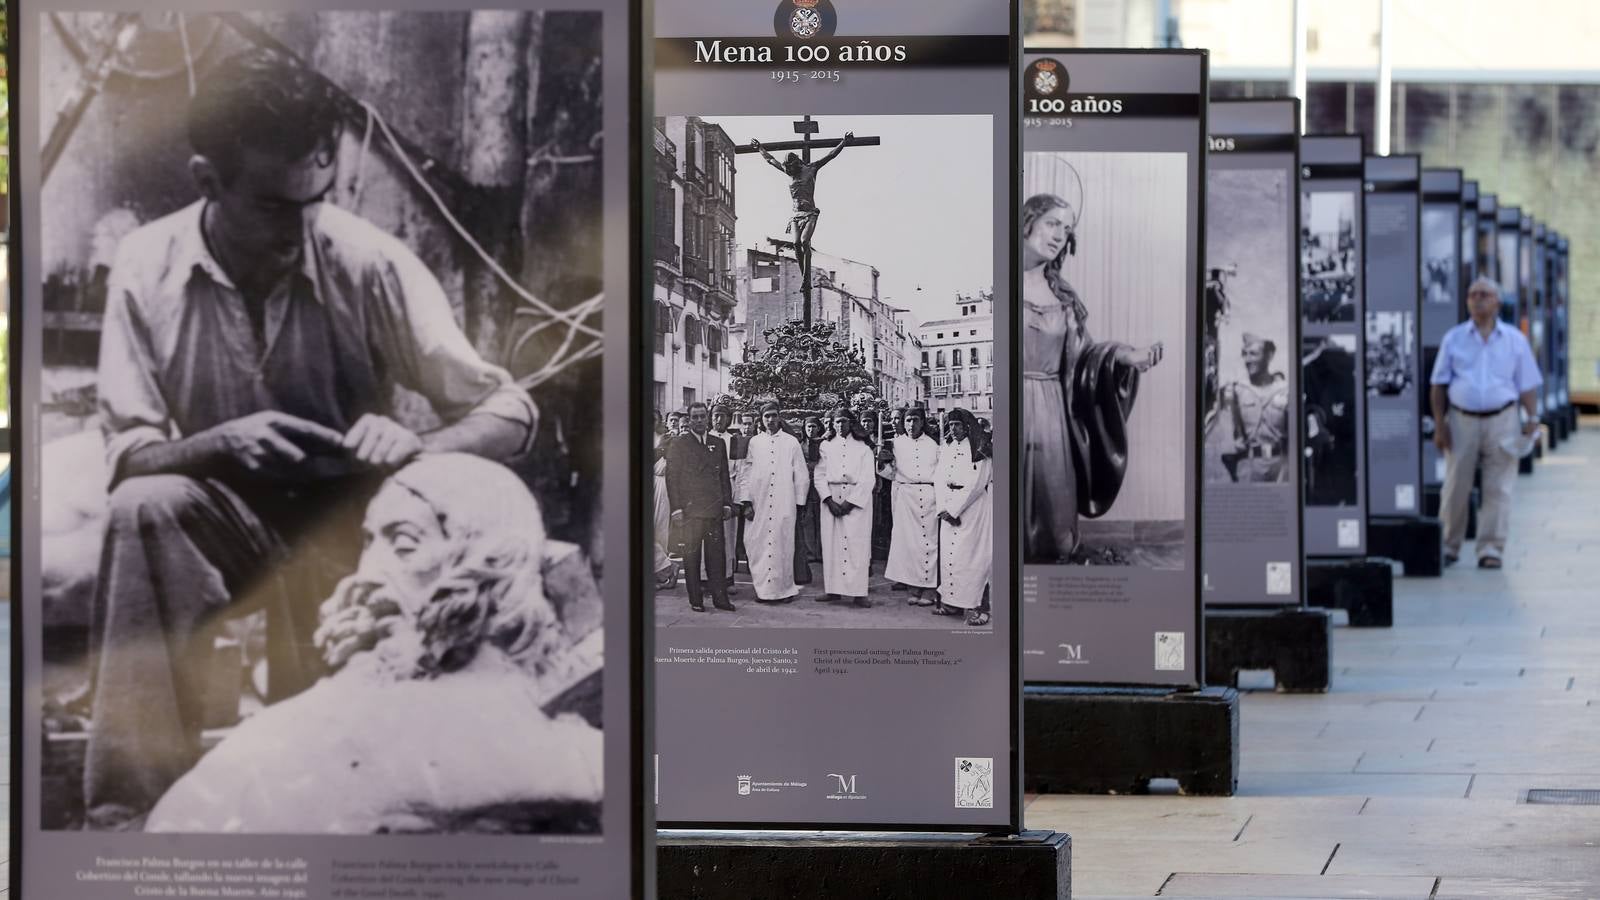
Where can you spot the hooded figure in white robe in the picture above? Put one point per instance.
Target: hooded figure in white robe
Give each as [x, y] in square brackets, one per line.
[773, 490]
[845, 477]
[966, 537]
[914, 543]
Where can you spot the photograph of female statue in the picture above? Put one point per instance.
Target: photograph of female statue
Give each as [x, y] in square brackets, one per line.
[1103, 291]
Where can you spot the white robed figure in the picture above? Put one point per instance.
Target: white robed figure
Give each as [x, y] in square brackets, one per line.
[966, 535]
[772, 491]
[914, 543]
[845, 476]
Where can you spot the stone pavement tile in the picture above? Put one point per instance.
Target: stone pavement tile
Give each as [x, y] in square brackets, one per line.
[1331, 758]
[1127, 866]
[1558, 863]
[1194, 886]
[1139, 817]
[1509, 789]
[1451, 888]
[1314, 784]
[1461, 823]
[1525, 760]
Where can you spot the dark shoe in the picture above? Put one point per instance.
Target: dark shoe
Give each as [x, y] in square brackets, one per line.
[896, 586]
[1488, 562]
[722, 604]
[732, 589]
[1450, 559]
[827, 598]
[697, 607]
[863, 602]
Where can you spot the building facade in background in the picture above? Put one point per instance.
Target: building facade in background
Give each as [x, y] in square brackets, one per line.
[696, 338]
[844, 292]
[958, 356]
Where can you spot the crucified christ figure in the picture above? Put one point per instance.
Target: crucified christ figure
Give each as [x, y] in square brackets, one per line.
[803, 190]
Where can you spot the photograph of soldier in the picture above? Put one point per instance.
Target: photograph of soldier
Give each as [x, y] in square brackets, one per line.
[1391, 369]
[1328, 256]
[1328, 367]
[1247, 402]
[278, 321]
[797, 331]
[1103, 463]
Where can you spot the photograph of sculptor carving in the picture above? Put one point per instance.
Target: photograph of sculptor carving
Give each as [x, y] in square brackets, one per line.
[1102, 424]
[1328, 366]
[1328, 256]
[1245, 396]
[320, 530]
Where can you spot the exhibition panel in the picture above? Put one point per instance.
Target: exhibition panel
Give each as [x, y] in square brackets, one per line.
[1113, 173]
[1332, 238]
[1442, 268]
[1468, 246]
[1508, 262]
[1394, 457]
[317, 456]
[1250, 400]
[832, 187]
[1488, 253]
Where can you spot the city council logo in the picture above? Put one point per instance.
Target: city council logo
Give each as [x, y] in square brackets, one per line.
[1045, 79]
[805, 19]
[744, 785]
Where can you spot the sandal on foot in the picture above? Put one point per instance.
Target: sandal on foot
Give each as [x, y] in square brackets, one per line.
[939, 609]
[1488, 562]
[978, 618]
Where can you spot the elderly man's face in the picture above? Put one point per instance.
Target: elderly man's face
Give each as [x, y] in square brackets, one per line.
[403, 554]
[1484, 303]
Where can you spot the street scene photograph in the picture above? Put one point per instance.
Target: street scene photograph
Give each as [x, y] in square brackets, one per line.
[824, 372]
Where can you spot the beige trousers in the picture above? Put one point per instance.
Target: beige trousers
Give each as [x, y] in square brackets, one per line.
[1475, 441]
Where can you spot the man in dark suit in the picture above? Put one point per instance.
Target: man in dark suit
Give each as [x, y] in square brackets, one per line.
[701, 497]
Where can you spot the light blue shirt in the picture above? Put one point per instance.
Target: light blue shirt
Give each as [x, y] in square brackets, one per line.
[1485, 375]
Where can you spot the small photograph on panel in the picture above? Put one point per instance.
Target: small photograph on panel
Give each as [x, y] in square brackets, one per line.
[1440, 270]
[1246, 310]
[1328, 262]
[1328, 369]
[1104, 301]
[824, 372]
[321, 471]
[1391, 339]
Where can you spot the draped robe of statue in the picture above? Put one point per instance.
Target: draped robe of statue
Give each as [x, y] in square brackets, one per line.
[966, 551]
[775, 481]
[1076, 399]
[914, 543]
[846, 473]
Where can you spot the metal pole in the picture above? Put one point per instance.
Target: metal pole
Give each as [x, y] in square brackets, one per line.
[1297, 86]
[1381, 129]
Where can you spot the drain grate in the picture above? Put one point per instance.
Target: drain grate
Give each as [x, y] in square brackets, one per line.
[1563, 797]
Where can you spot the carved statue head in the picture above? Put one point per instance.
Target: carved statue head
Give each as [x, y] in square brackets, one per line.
[452, 562]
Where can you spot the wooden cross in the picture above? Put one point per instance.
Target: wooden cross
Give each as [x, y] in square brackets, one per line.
[807, 128]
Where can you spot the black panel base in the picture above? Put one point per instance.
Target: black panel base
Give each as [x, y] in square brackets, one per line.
[1034, 865]
[1361, 586]
[1081, 740]
[1553, 432]
[1416, 543]
[1572, 418]
[1296, 643]
[1525, 464]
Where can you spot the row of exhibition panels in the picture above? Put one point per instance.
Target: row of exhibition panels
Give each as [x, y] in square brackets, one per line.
[1271, 463]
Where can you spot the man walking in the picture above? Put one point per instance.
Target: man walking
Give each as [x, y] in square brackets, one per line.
[1485, 369]
[702, 499]
[772, 492]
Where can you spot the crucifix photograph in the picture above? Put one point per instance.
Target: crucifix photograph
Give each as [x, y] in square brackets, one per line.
[802, 175]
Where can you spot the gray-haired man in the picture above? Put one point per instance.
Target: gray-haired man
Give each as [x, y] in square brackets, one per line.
[1485, 368]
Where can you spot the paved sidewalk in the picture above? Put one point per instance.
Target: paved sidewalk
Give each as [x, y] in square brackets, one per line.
[1406, 782]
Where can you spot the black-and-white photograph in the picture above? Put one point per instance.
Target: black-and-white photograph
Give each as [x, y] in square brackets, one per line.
[1440, 270]
[824, 372]
[1105, 308]
[1391, 340]
[1328, 261]
[321, 505]
[1248, 300]
[1328, 370]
